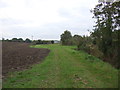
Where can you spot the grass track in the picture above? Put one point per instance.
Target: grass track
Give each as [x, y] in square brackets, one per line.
[65, 68]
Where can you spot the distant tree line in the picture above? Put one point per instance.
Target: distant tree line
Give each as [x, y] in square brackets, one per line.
[68, 39]
[27, 40]
[82, 42]
[43, 42]
[104, 40]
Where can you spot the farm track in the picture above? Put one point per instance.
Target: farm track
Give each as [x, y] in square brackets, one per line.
[70, 70]
[18, 56]
[65, 67]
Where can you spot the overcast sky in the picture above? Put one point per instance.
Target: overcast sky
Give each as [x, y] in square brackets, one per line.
[45, 19]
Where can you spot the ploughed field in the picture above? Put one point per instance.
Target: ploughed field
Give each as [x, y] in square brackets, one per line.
[17, 56]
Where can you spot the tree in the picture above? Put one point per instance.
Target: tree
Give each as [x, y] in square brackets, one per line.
[107, 15]
[39, 42]
[66, 38]
[17, 40]
[20, 40]
[77, 39]
[14, 39]
[6, 40]
[28, 40]
[52, 42]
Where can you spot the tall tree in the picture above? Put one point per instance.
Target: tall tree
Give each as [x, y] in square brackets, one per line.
[66, 38]
[108, 18]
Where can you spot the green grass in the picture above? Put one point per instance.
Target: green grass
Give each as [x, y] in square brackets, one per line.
[65, 68]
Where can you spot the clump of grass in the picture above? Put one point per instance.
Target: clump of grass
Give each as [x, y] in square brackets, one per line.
[90, 57]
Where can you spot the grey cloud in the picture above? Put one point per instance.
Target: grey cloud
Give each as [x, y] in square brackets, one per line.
[48, 31]
[64, 12]
[3, 5]
[10, 21]
[69, 13]
[77, 24]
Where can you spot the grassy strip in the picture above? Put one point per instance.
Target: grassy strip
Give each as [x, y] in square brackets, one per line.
[65, 68]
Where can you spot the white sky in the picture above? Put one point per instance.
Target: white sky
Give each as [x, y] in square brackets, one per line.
[45, 19]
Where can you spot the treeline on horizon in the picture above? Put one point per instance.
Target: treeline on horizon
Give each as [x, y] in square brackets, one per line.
[104, 40]
[27, 40]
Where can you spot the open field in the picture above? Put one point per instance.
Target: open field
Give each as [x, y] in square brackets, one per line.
[18, 56]
[65, 68]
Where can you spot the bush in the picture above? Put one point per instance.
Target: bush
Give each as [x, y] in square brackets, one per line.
[94, 50]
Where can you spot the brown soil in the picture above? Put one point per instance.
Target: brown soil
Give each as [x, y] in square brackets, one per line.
[18, 56]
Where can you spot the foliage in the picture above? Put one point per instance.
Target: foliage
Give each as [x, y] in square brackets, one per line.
[104, 34]
[83, 43]
[52, 42]
[20, 40]
[43, 42]
[77, 39]
[66, 38]
[28, 40]
[14, 40]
